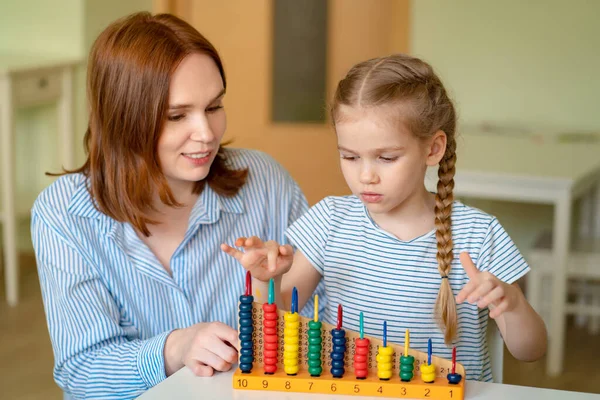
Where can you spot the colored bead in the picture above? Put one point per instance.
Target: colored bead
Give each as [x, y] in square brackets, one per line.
[406, 368]
[427, 373]
[360, 358]
[291, 333]
[454, 378]
[338, 353]
[314, 349]
[384, 362]
[270, 337]
[246, 328]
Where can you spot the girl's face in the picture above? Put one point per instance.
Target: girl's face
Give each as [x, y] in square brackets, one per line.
[383, 163]
[195, 122]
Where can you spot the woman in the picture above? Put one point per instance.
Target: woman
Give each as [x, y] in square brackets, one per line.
[133, 280]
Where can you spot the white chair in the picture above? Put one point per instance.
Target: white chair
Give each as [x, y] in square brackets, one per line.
[583, 274]
[496, 348]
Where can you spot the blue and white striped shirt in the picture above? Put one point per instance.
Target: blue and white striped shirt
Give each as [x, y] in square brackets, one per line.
[109, 302]
[368, 269]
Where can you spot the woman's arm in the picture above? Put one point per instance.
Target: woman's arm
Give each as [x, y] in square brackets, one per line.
[92, 356]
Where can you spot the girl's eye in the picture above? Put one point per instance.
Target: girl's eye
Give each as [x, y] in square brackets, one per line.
[176, 117]
[349, 158]
[388, 159]
[213, 109]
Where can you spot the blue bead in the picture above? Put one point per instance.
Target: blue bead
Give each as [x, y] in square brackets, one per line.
[245, 322]
[337, 356]
[246, 300]
[337, 364]
[337, 372]
[246, 359]
[247, 351]
[246, 329]
[245, 314]
[338, 333]
[339, 349]
[246, 367]
[247, 345]
[245, 337]
[246, 307]
[339, 341]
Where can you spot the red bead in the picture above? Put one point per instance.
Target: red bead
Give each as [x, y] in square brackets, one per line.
[362, 351]
[270, 354]
[270, 331]
[270, 338]
[270, 368]
[360, 373]
[362, 342]
[270, 323]
[360, 358]
[271, 346]
[271, 361]
[269, 308]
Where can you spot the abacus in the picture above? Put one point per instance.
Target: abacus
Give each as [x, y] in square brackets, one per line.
[283, 351]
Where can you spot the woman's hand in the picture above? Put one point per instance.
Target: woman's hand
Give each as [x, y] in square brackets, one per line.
[486, 290]
[204, 348]
[264, 260]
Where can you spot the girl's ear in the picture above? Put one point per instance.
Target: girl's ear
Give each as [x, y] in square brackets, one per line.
[436, 148]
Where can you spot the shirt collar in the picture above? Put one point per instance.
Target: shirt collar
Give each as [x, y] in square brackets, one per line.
[206, 209]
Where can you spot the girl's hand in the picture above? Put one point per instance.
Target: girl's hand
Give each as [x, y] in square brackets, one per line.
[264, 260]
[486, 290]
[204, 348]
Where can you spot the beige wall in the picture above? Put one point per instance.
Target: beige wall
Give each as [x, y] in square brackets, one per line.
[242, 32]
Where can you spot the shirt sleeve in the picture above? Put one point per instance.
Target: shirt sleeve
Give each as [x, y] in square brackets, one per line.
[285, 198]
[500, 256]
[93, 358]
[310, 233]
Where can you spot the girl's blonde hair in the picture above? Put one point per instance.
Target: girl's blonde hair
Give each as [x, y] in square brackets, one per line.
[426, 109]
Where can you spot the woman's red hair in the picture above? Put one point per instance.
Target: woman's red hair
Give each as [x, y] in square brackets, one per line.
[129, 71]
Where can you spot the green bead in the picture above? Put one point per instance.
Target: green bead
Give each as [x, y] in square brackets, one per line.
[314, 325]
[314, 356]
[406, 367]
[406, 376]
[314, 333]
[314, 348]
[314, 363]
[407, 359]
[314, 340]
[315, 371]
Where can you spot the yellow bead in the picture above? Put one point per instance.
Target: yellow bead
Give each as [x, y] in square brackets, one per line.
[290, 332]
[383, 358]
[292, 347]
[387, 374]
[290, 362]
[386, 351]
[291, 370]
[291, 317]
[291, 340]
[384, 366]
[427, 372]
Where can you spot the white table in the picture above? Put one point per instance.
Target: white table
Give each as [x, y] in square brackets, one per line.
[535, 169]
[25, 81]
[184, 385]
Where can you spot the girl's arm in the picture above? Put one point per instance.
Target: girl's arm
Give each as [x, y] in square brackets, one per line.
[266, 260]
[522, 329]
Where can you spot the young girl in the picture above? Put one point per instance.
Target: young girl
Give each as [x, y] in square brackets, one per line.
[391, 249]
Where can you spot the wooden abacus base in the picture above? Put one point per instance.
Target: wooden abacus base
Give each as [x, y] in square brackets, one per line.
[440, 389]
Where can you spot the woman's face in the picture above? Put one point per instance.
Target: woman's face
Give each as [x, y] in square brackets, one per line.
[195, 122]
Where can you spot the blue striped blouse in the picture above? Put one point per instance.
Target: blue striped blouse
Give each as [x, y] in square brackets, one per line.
[109, 302]
[368, 269]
